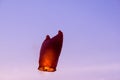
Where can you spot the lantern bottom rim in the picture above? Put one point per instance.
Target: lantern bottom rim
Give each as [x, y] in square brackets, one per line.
[46, 69]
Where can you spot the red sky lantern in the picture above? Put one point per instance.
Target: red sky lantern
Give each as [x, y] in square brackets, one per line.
[50, 52]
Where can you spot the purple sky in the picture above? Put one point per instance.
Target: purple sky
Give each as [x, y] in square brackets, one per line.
[91, 47]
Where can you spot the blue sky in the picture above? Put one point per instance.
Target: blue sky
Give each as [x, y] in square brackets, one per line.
[91, 46]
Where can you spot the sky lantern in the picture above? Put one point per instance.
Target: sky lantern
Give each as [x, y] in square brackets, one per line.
[50, 52]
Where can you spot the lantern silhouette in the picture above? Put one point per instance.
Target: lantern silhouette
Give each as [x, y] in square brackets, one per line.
[50, 52]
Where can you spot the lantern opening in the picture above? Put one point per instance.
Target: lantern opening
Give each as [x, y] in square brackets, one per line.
[46, 68]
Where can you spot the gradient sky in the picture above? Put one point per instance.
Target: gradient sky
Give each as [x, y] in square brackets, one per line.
[91, 47]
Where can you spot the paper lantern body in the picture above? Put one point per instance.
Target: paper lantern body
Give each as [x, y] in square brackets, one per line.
[50, 52]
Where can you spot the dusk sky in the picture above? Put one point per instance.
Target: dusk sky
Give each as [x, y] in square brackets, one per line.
[91, 45]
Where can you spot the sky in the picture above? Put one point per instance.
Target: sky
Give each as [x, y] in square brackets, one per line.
[91, 45]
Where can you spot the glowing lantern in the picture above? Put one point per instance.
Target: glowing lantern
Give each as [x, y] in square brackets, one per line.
[50, 52]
